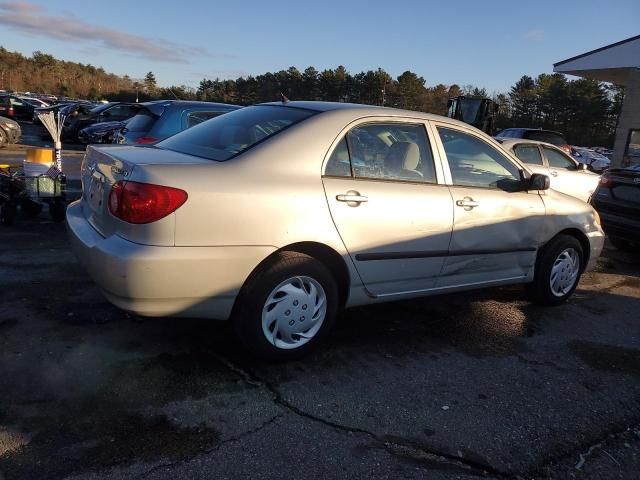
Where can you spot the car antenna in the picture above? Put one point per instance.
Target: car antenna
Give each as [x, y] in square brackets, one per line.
[283, 98]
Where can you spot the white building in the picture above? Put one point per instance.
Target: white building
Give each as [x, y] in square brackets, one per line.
[618, 63]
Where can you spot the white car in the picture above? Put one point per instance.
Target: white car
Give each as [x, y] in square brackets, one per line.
[277, 215]
[566, 174]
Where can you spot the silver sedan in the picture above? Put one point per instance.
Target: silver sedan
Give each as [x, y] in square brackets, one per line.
[278, 215]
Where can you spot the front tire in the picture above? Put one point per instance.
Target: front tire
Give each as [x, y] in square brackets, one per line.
[286, 308]
[558, 268]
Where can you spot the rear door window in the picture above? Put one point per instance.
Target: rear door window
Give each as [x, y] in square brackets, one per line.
[557, 159]
[528, 154]
[384, 151]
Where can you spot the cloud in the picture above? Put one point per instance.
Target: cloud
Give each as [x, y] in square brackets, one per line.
[36, 20]
[535, 35]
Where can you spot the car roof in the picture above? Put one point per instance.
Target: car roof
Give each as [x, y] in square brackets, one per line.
[508, 142]
[525, 129]
[188, 103]
[361, 110]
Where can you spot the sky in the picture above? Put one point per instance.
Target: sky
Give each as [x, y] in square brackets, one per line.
[488, 44]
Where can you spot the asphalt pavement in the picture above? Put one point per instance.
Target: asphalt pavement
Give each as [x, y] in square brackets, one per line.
[465, 386]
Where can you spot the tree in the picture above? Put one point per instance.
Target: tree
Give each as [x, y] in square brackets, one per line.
[150, 85]
[523, 101]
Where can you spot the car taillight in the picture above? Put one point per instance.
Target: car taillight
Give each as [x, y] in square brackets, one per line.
[605, 181]
[145, 140]
[10, 111]
[566, 148]
[136, 202]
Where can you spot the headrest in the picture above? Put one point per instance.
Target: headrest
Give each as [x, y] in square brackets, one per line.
[403, 155]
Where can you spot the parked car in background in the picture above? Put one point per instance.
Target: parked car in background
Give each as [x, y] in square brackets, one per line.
[14, 107]
[617, 200]
[36, 102]
[349, 205]
[547, 136]
[65, 108]
[595, 161]
[99, 132]
[109, 112]
[566, 174]
[607, 152]
[162, 118]
[10, 131]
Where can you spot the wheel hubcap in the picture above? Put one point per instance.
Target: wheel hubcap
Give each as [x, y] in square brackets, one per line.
[564, 272]
[294, 312]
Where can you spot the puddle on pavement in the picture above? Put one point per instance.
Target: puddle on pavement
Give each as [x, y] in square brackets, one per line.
[607, 357]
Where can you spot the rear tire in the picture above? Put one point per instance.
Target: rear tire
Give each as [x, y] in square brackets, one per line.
[286, 308]
[558, 268]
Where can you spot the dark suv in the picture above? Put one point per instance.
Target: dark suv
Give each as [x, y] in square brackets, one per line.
[617, 200]
[548, 136]
[162, 118]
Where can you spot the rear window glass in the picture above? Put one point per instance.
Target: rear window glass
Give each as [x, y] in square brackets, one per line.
[528, 154]
[548, 137]
[228, 135]
[194, 118]
[141, 122]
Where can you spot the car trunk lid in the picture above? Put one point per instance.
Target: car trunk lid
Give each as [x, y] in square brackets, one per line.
[619, 193]
[106, 165]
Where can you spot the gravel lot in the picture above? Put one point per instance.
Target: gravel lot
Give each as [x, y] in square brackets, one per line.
[459, 386]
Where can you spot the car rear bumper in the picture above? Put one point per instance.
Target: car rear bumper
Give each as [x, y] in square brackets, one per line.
[622, 227]
[200, 282]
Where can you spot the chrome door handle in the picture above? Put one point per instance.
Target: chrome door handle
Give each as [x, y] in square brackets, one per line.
[467, 203]
[554, 173]
[352, 198]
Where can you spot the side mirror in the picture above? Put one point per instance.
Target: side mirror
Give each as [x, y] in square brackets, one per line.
[582, 166]
[539, 182]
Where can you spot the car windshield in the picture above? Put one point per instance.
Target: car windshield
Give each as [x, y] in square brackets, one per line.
[228, 135]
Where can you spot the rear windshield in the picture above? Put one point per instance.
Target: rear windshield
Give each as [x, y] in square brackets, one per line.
[548, 137]
[142, 122]
[228, 135]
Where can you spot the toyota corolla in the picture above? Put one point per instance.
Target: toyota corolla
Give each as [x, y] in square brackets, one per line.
[276, 216]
